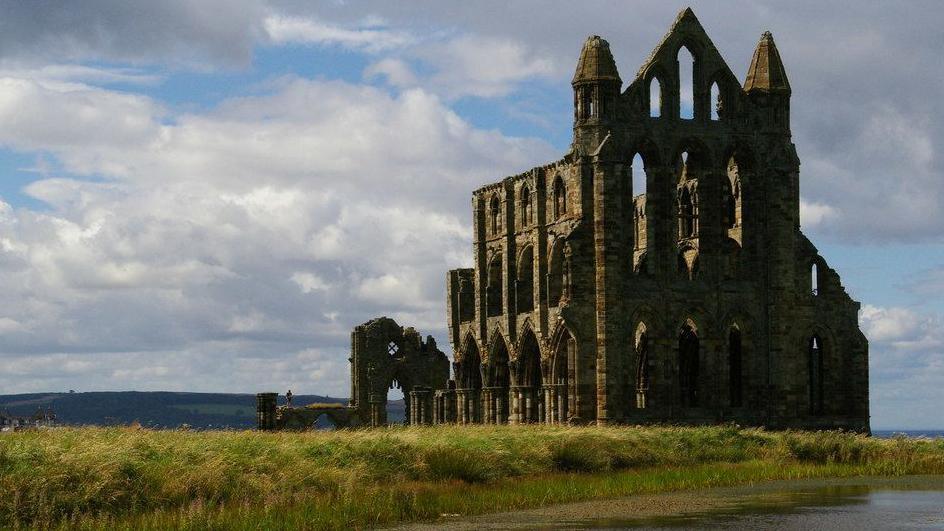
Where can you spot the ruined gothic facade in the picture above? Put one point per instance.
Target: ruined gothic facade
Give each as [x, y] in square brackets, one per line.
[695, 299]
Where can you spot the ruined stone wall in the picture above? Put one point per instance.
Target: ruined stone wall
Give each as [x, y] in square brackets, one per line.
[691, 303]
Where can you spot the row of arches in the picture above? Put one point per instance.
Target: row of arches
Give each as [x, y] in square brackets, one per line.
[558, 280]
[525, 390]
[525, 207]
[502, 390]
[659, 82]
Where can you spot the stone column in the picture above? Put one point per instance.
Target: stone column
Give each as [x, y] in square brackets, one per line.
[378, 410]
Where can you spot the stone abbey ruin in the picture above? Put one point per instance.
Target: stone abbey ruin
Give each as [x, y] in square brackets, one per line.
[695, 299]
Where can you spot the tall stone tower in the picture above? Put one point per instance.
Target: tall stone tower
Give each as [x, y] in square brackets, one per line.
[696, 300]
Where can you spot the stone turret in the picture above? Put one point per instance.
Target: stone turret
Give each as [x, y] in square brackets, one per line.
[767, 83]
[596, 92]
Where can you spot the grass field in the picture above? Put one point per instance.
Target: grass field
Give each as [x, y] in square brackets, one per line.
[135, 478]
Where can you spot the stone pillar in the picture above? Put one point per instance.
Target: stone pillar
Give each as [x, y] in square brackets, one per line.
[562, 412]
[378, 410]
[265, 411]
[420, 406]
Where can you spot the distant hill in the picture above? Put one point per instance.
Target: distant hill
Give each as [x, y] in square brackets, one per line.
[158, 409]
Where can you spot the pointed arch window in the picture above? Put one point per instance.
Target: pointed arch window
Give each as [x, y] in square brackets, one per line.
[494, 215]
[814, 279]
[642, 366]
[717, 104]
[815, 356]
[526, 218]
[655, 98]
[524, 283]
[688, 364]
[686, 76]
[560, 198]
[638, 176]
[493, 293]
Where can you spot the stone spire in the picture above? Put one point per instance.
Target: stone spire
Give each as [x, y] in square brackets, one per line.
[766, 73]
[596, 62]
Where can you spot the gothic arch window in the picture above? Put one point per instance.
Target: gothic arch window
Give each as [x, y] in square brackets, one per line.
[493, 291]
[563, 378]
[531, 401]
[688, 364]
[560, 198]
[524, 283]
[641, 347]
[731, 212]
[556, 274]
[469, 370]
[638, 176]
[686, 77]
[717, 104]
[735, 368]
[655, 98]
[815, 357]
[526, 218]
[494, 215]
[498, 377]
[814, 279]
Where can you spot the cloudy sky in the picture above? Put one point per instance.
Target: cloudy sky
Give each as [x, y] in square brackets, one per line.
[208, 195]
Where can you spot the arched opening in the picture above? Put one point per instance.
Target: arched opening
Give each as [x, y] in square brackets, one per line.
[530, 395]
[524, 283]
[638, 176]
[735, 368]
[815, 357]
[493, 291]
[468, 372]
[555, 274]
[397, 403]
[641, 347]
[716, 103]
[686, 62]
[499, 382]
[526, 219]
[560, 198]
[494, 215]
[731, 196]
[686, 214]
[688, 362]
[814, 279]
[563, 380]
[655, 98]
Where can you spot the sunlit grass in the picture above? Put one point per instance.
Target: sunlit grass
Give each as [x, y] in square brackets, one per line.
[134, 478]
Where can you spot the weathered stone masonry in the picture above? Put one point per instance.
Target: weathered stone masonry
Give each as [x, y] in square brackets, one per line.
[698, 301]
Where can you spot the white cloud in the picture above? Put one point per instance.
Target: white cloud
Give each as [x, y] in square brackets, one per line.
[305, 30]
[814, 214]
[309, 282]
[396, 71]
[485, 66]
[175, 256]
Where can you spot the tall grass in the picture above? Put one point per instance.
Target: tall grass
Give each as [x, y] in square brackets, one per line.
[91, 477]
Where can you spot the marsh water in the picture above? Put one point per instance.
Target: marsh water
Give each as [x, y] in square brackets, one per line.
[838, 507]
[911, 502]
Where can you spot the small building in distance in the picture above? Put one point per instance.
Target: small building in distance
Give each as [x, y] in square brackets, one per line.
[657, 271]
